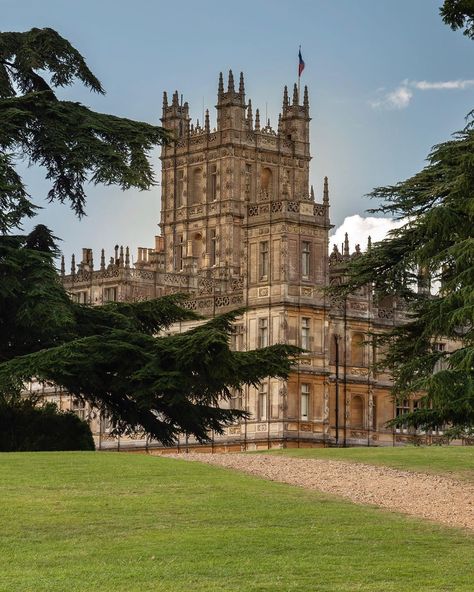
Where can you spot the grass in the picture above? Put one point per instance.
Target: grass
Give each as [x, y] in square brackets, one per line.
[453, 461]
[121, 522]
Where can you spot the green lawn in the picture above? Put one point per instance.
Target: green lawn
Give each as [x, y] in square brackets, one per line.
[454, 461]
[122, 522]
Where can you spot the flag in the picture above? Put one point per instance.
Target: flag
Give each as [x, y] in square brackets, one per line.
[301, 63]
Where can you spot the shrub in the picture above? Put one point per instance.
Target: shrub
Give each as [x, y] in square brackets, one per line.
[25, 426]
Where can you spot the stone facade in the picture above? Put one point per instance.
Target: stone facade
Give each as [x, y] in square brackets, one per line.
[240, 226]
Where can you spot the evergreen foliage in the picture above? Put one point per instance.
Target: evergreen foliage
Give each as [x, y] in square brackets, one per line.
[73, 143]
[110, 356]
[437, 242]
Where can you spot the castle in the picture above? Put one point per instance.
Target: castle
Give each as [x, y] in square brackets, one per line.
[240, 226]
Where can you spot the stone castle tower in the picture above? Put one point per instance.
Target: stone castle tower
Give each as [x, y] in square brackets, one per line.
[240, 226]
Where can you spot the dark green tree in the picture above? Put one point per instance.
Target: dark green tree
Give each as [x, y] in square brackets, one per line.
[110, 356]
[435, 243]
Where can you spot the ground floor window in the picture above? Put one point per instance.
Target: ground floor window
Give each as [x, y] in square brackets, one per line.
[262, 402]
[305, 401]
[403, 407]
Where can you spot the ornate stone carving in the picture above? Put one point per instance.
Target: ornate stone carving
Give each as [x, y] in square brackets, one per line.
[359, 371]
[293, 206]
[361, 306]
[359, 434]
[222, 301]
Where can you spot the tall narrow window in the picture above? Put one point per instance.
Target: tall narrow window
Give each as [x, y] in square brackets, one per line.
[305, 259]
[262, 402]
[236, 399]
[441, 362]
[357, 412]
[237, 338]
[196, 195]
[266, 181]
[212, 182]
[263, 263]
[248, 180]
[179, 254]
[305, 401]
[262, 332]
[179, 188]
[197, 247]
[212, 247]
[357, 349]
[305, 328]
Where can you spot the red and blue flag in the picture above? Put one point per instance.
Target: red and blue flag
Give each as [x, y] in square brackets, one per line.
[301, 63]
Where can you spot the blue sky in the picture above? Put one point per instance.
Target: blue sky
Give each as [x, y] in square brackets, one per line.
[387, 80]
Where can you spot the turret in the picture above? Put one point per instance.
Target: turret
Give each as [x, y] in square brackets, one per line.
[231, 104]
[175, 116]
[295, 120]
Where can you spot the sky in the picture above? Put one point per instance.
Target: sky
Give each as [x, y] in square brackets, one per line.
[387, 80]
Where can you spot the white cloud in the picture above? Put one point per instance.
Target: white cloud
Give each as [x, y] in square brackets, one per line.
[396, 99]
[401, 97]
[446, 85]
[359, 229]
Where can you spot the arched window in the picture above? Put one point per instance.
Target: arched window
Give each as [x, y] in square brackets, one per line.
[196, 189]
[357, 412]
[266, 180]
[357, 349]
[197, 245]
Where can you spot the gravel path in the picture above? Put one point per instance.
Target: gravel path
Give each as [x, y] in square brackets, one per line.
[433, 497]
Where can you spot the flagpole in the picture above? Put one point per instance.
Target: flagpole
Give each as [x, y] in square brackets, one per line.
[299, 76]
